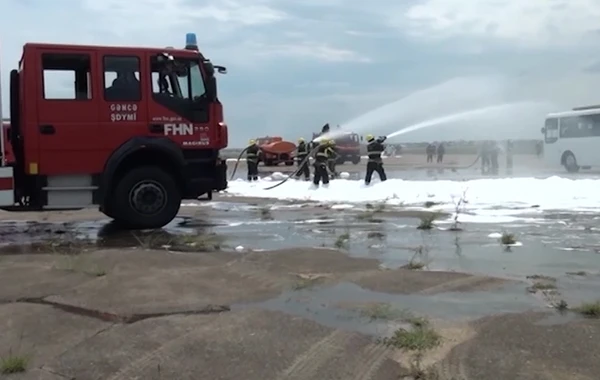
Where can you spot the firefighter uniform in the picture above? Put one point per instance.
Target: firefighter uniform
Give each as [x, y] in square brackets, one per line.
[320, 165]
[331, 158]
[375, 148]
[252, 160]
[301, 155]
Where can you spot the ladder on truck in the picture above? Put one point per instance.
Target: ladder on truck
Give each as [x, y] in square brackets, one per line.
[7, 197]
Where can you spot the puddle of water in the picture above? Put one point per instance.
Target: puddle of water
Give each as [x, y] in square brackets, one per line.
[339, 306]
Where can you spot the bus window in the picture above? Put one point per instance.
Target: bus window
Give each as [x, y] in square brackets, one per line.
[551, 131]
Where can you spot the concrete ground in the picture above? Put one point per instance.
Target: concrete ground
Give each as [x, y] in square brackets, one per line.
[158, 314]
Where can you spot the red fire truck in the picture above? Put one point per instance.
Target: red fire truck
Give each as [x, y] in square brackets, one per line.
[132, 131]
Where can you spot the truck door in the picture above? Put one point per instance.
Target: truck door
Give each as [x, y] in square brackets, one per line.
[179, 108]
[67, 113]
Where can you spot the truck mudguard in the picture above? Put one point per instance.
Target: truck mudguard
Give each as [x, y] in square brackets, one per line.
[134, 145]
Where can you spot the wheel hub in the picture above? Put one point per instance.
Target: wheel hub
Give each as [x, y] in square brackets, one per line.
[148, 198]
[571, 160]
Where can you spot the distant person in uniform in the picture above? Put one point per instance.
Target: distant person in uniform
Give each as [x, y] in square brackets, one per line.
[430, 151]
[320, 164]
[441, 150]
[494, 151]
[301, 154]
[509, 154]
[332, 157]
[252, 160]
[485, 156]
[539, 148]
[375, 148]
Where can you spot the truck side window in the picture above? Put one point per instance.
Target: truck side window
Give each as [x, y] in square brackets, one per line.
[66, 76]
[122, 78]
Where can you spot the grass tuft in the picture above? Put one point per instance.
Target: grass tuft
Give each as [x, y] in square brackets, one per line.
[12, 364]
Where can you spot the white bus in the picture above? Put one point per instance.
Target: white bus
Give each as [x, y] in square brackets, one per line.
[572, 138]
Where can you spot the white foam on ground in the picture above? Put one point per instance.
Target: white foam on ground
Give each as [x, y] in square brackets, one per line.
[487, 200]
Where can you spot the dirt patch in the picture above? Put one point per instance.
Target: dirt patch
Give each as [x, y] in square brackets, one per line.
[405, 281]
[518, 346]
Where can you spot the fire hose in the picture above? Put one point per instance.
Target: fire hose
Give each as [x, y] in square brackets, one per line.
[238, 162]
[300, 166]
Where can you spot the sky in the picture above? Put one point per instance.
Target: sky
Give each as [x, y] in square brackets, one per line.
[294, 65]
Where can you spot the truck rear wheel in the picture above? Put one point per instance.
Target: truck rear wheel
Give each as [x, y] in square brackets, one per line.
[146, 197]
[355, 160]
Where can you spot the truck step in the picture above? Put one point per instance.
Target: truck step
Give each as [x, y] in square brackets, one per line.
[64, 207]
[66, 188]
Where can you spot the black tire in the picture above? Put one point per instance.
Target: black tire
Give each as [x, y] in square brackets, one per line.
[159, 184]
[356, 160]
[340, 161]
[570, 163]
[289, 163]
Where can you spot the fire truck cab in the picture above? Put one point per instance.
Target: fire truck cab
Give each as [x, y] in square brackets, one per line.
[130, 130]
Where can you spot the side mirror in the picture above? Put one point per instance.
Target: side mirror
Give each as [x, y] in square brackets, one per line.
[543, 130]
[209, 68]
[221, 69]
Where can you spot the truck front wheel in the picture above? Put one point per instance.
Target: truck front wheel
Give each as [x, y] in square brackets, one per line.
[146, 197]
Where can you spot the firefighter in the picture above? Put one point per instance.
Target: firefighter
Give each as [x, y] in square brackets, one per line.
[320, 164]
[252, 160]
[332, 157]
[301, 154]
[485, 156]
[509, 155]
[430, 151]
[375, 148]
[441, 150]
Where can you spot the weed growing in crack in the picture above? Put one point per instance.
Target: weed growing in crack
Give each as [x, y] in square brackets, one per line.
[382, 311]
[580, 273]
[416, 340]
[265, 213]
[508, 240]
[427, 221]
[12, 364]
[198, 243]
[542, 286]
[375, 235]
[561, 306]
[370, 214]
[342, 240]
[369, 217]
[182, 243]
[419, 260]
[590, 310]
[379, 207]
[459, 206]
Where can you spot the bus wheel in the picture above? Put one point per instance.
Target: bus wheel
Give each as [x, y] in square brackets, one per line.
[570, 163]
